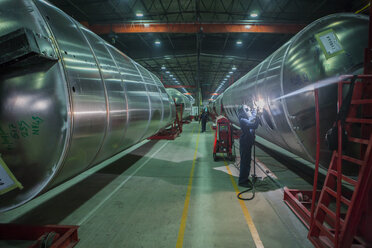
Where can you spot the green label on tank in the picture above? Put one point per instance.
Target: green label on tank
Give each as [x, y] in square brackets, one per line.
[329, 43]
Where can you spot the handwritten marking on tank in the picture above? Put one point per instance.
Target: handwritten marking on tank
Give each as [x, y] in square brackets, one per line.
[6, 139]
[20, 129]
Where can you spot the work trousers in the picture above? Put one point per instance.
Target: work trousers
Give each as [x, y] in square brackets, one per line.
[245, 162]
[204, 124]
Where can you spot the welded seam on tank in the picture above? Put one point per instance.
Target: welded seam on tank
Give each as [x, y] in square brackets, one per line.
[107, 122]
[102, 202]
[181, 232]
[283, 101]
[70, 119]
[148, 98]
[162, 104]
[124, 90]
[272, 119]
[248, 218]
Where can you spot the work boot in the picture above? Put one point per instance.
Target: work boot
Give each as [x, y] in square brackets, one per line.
[247, 184]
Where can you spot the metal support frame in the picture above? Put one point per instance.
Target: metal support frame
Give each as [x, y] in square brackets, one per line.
[341, 226]
[300, 201]
[64, 236]
[120, 28]
[172, 131]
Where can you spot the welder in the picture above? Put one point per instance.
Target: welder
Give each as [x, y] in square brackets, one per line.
[249, 122]
[204, 119]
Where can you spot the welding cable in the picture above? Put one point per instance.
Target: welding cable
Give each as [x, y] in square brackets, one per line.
[252, 188]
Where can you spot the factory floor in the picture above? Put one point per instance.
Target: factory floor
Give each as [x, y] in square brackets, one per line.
[172, 194]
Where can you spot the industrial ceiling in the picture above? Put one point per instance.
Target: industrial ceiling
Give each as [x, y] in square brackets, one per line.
[206, 44]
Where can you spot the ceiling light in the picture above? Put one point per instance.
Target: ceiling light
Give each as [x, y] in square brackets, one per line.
[230, 72]
[171, 75]
[254, 14]
[248, 26]
[157, 42]
[228, 76]
[139, 14]
[239, 42]
[163, 67]
[167, 72]
[234, 68]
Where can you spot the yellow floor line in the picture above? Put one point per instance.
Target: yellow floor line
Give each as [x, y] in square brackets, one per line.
[248, 218]
[181, 232]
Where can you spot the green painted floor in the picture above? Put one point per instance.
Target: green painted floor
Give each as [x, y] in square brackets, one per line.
[139, 200]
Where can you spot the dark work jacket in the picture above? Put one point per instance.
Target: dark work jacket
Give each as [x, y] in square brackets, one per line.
[247, 125]
[204, 117]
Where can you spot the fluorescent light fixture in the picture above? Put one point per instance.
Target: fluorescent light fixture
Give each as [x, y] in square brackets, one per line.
[228, 76]
[157, 42]
[146, 25]
[139, 14]
[248, 26]
[230, 72]
[167, 72]
[171, 75]
[163, 67]
[239, 42]
[254, 14]
[234, 68]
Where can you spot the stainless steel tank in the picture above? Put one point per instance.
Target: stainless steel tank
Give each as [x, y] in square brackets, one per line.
[218, 105]
[181, 99]
[331, 46]
[70, 101]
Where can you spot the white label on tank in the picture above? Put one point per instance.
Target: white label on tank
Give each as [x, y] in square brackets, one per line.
[330, 43]
[7, 180]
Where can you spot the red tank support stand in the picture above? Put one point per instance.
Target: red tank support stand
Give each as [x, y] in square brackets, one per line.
[52, 236]
[171, 132]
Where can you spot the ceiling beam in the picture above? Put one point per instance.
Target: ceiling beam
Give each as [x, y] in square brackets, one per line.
[180, 86]
[195, 28]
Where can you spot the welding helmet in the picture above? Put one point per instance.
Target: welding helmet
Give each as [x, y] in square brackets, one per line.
[244, 109]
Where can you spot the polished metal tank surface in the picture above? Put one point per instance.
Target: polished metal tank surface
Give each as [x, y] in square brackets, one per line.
[331, 46]
[60, 118]
[181, 99]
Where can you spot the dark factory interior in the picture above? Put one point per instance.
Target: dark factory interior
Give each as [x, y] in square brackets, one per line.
[185, 123]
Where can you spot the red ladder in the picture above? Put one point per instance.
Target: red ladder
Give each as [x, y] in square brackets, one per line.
[343, 198]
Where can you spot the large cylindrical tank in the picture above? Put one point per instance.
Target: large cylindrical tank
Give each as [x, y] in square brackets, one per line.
[218, 106]
[181, 99]
[331, 46]
[61, 117]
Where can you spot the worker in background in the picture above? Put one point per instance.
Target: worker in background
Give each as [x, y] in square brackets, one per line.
[203, 118]
[248, 123]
